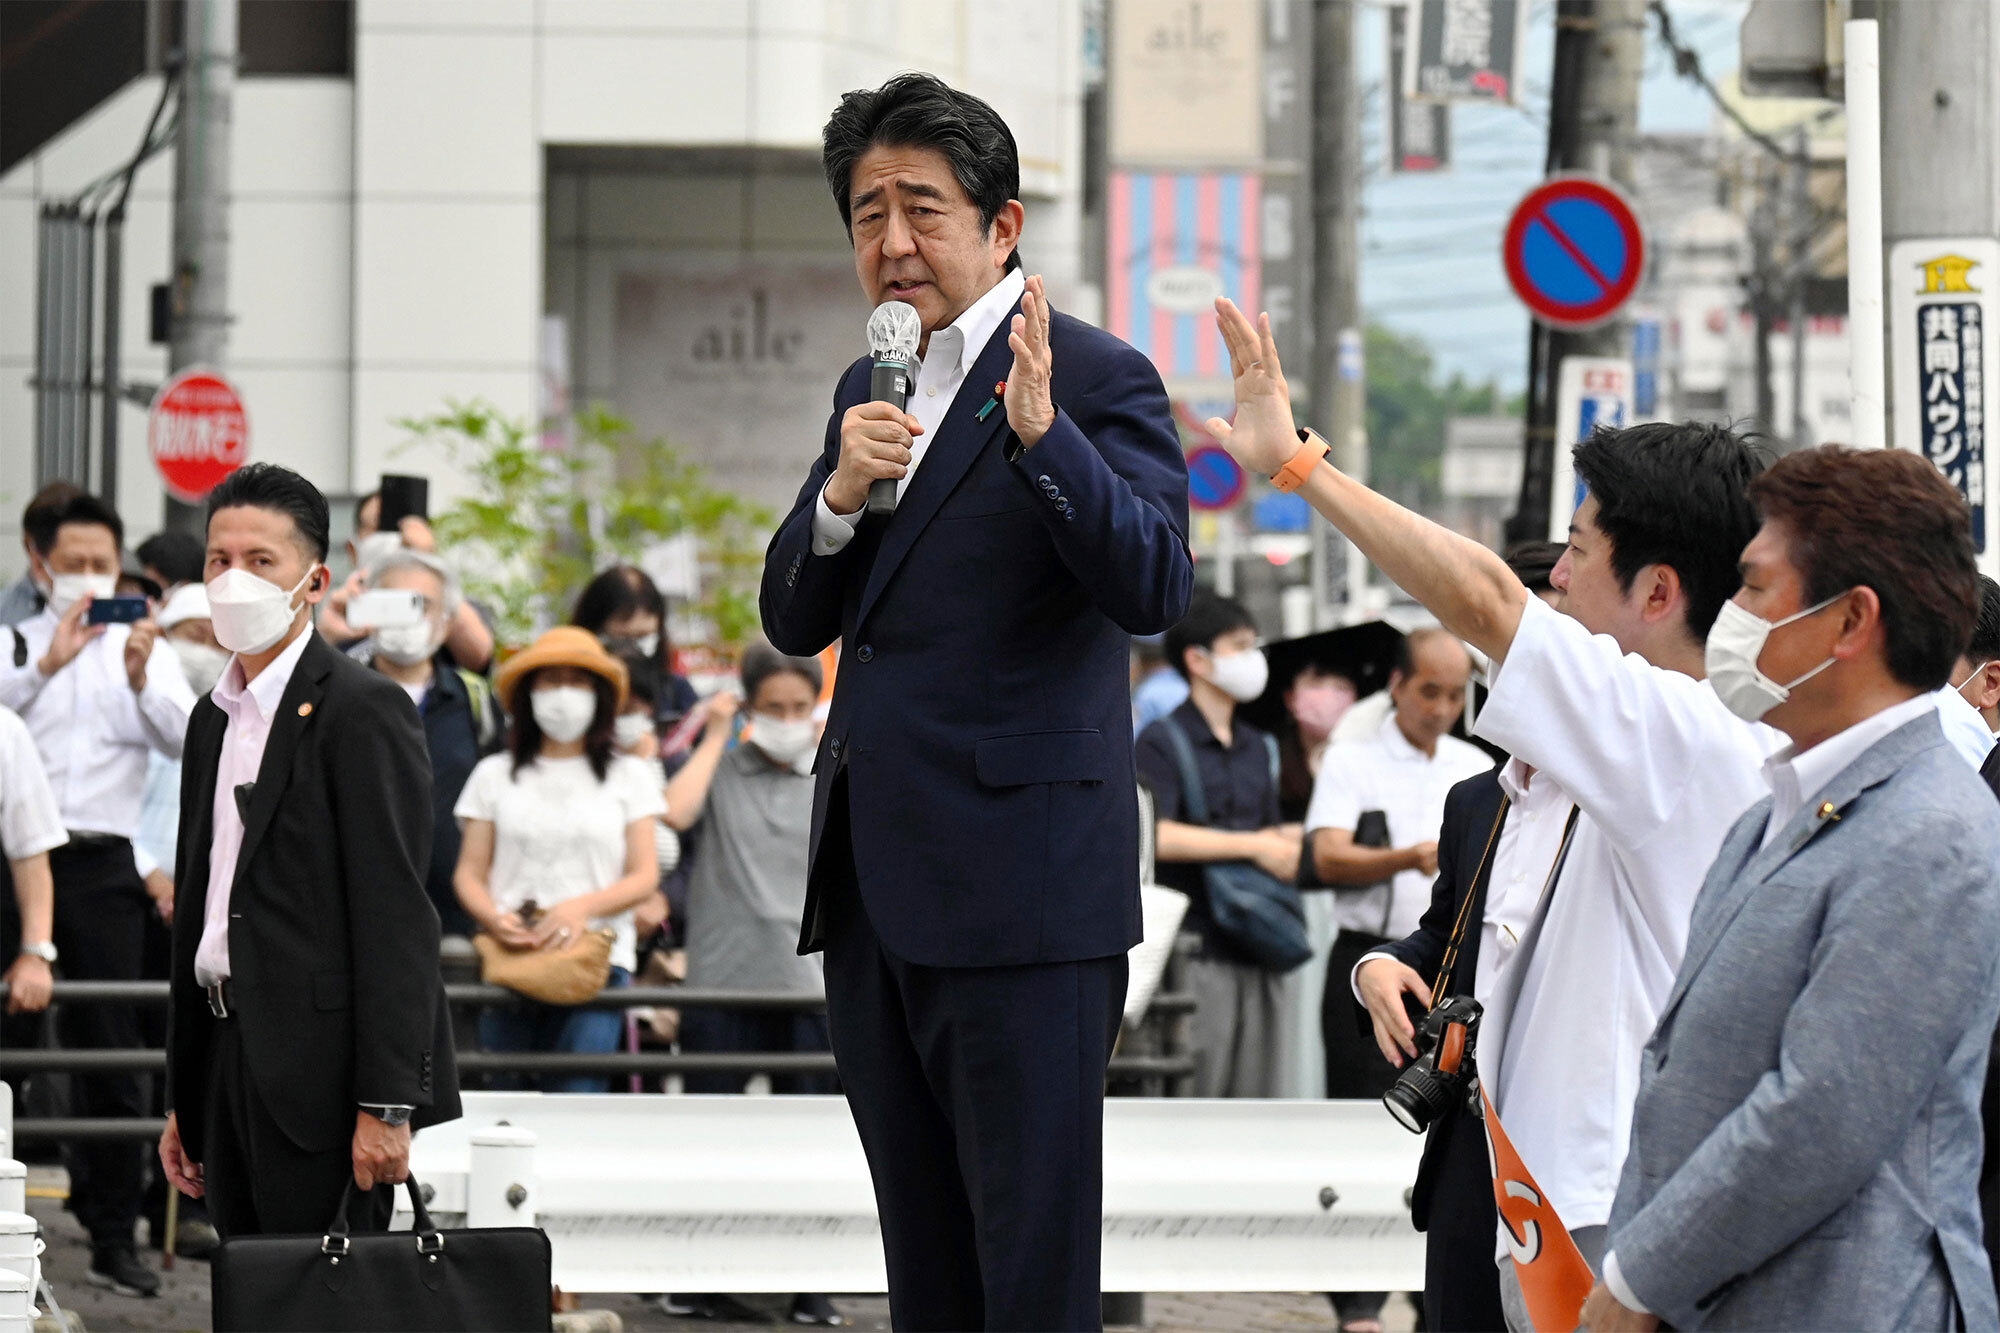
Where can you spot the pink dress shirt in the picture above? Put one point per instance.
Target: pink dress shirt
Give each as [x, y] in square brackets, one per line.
[250, 710]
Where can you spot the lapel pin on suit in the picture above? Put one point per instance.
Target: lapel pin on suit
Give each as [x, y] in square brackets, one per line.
[1828, 813]
[305, 710]
[999, 392]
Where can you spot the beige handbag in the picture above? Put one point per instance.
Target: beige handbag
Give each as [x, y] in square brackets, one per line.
[568, 975]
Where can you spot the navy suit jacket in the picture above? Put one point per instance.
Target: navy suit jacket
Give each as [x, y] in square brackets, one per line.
[982, 712]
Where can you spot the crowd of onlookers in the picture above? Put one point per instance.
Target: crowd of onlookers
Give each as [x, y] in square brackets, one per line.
[582, 796]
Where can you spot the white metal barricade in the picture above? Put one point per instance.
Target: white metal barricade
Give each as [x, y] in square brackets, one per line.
[771, 1194]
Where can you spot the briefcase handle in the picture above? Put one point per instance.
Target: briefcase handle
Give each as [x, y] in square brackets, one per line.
[430, 1241]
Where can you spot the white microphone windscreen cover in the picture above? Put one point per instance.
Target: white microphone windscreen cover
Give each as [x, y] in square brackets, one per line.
[894, 330]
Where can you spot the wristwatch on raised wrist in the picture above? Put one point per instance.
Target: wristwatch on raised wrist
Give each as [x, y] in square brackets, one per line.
[392, 1116]
[1312, 448]
[45, 950]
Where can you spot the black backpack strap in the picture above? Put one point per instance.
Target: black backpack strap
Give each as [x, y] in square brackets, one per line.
[1194, 799]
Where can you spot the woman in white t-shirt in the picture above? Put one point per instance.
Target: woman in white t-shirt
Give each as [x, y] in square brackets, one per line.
[562, 823]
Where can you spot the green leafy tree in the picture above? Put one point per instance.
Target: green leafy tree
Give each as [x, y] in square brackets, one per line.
[1407, 408]
[540, 522]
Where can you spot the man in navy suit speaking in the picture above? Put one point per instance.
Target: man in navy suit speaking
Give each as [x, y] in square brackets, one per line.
[974, 873]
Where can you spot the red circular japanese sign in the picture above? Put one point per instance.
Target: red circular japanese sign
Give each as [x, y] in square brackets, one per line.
[197, 432]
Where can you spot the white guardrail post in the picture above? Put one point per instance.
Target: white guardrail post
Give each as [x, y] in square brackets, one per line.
[500, 1178]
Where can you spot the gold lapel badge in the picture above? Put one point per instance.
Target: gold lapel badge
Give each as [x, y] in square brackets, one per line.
[1828, 813]
[306, 710]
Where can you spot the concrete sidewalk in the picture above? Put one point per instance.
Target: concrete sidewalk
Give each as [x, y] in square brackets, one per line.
[183, 1300]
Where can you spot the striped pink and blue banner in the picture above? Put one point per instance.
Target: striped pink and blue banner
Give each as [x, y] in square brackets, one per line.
[1167, 222]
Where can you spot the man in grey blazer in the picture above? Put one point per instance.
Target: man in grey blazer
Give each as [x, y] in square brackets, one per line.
[1806, 1142]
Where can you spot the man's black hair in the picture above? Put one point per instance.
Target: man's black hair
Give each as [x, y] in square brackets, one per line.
[1985, 645]
[281, 490]
[923, 111]
[1533, 562]
[40, 519]
[1209, 617]
[1676, 495]
[84, 507]
[180, 556]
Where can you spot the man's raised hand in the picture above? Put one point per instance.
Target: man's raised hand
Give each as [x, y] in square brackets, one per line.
[1031, 409]
[1263, 437]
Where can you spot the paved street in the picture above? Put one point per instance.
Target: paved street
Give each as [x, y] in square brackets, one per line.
[183, 1303]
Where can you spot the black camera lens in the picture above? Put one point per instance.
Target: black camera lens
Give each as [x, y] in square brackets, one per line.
[1420, 1096]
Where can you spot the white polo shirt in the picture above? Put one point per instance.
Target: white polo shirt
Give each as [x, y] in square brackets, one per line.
[1661, 771]
[1387, 773]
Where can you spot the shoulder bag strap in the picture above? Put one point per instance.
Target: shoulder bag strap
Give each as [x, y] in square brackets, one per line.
[1443, 985]
[1194, 801]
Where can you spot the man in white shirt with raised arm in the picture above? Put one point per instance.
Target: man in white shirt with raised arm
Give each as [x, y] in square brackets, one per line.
[1608, 706]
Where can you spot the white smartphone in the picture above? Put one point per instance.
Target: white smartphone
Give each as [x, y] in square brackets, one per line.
[385, 608]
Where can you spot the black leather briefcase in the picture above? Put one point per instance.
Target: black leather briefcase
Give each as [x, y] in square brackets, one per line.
[492, 1280]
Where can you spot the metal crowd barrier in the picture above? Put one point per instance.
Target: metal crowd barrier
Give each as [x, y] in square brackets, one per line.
[1164, 1069]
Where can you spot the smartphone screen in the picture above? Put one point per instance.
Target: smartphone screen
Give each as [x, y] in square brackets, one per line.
[116, 610]
[403, 497]
[385, 608]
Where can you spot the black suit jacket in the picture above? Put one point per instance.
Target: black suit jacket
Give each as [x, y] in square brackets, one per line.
[1469, 814]
[333, 947]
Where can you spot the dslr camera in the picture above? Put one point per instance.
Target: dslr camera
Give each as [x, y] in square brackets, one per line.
[1444, 1071]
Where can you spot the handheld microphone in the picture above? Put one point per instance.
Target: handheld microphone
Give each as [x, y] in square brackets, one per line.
[893, 332]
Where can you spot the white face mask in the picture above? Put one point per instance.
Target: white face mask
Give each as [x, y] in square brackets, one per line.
[781, 741]
[565, 712]
[407, 645]
[1242, 676]
[1735, 644]
[201, 664]
[630, 729]
[649, 644]
[69, 589]
[251, 614]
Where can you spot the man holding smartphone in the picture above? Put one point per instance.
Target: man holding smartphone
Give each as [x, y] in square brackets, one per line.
[98, 699]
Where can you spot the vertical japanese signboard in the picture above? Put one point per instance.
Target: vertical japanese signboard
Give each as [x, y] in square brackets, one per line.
[1466, 50]
[1944, 362]
[1591, 391]
[1419, 132]
[1192, 216]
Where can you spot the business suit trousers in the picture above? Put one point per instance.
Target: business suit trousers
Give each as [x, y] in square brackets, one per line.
[101, 908]
[1461, 1281]
[979, 1095]
[256, 1180]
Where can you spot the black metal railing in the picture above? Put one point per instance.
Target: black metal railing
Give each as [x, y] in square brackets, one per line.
[1163, 1067]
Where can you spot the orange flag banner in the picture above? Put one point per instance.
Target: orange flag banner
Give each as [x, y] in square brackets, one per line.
[1554, 1278]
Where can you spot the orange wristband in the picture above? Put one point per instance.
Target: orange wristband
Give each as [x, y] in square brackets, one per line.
[1293, 474]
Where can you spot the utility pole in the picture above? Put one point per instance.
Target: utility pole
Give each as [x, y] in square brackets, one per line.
[1337, 383]
[1593, 126]
[1799, 260]
[1939, 107]
[199, 331]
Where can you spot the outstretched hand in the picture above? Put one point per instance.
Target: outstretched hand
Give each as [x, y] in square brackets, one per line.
[1263, 437]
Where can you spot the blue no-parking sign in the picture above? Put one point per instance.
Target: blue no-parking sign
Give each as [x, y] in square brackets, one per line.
[1215, 481]
[1574, 251]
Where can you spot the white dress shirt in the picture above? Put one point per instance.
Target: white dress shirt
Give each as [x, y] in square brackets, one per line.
[29, 820]
[947, 360]
[1387, 773]
[1661, 771]
[1963, 725]
[1537, 811]
[1795, 778]
[94, 733]
[250, 710]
